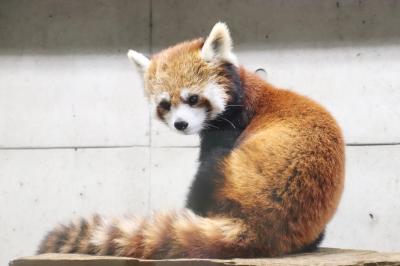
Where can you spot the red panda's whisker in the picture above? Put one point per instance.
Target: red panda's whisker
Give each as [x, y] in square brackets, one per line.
[230, 122]
[209, 125]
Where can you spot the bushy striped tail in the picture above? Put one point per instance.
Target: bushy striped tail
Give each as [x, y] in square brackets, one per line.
[164, 235]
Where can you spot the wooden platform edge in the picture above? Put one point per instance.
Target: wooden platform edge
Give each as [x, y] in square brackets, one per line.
[324, 256]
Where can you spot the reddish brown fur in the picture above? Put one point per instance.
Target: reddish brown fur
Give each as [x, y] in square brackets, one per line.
[286, 175]
[169, 235]
[165, 72]
[288, 171]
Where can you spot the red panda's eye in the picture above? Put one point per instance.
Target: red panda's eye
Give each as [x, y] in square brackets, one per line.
[193, 99]
[165, 105]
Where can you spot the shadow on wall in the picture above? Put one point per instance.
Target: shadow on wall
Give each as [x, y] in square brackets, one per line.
[95, 25]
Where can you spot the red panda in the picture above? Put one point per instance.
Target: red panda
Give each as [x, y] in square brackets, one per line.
[271, 166]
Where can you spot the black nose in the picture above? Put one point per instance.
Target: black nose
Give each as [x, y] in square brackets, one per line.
[181, 125]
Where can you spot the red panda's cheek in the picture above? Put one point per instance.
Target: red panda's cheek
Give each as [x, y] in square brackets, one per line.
[160, 113]
[217, 98]
[205, 103]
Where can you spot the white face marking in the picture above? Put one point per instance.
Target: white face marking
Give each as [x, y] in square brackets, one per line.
[194, 116]
[156, 99]
[185, 94]
[217, 98]
[164, 96]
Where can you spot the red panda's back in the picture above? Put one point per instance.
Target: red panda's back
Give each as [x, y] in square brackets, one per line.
[287, 172]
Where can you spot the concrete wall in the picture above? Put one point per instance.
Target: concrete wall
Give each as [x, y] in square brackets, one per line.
[76, 135]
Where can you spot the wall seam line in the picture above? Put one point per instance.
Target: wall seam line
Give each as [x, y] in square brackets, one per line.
[151, 146]
[150, 44]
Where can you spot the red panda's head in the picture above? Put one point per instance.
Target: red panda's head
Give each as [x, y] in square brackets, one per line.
[188, 83]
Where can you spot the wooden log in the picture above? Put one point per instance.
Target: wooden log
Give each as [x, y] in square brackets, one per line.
[324, 256]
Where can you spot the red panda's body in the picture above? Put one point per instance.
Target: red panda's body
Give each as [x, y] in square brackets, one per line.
[271, 165]
[287, 171]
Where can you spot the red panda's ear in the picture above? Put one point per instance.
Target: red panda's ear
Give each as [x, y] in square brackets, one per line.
[141, 62]
[218, 45]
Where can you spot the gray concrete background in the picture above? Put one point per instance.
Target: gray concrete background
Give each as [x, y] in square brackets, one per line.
[77, 137]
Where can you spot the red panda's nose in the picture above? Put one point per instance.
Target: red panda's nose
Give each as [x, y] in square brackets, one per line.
[181, 125]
